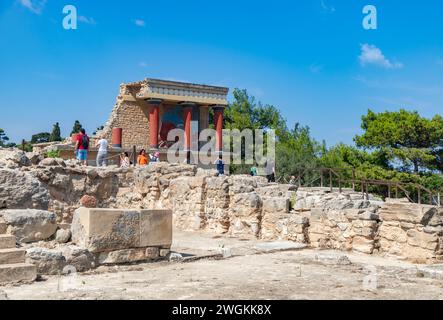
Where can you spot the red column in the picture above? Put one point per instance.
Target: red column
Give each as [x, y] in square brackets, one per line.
[187, 117]
[218, 121]
[154, 116]
[117, 137]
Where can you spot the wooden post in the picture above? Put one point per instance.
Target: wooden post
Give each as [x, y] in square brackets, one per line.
[367, 192]
[299, 178]
[353, 179]
[363, 188]
[389, 190]
[134, 155]
[321, 178]
[23, 145]
[339, 185]
[330, 180]
[419, 195]
[396, 191]
[430, 199]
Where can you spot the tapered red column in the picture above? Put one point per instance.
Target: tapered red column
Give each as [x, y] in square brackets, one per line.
[187, 118]
[218, 122]
[154, 120]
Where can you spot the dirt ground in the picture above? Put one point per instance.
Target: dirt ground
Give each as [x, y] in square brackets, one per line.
[256, 270]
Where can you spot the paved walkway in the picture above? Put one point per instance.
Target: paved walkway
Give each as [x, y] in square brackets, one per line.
[251, 269]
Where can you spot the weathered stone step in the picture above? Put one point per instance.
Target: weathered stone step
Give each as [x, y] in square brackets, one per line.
[18, 272]
[3, 226]
[12, 255]
[7, 241]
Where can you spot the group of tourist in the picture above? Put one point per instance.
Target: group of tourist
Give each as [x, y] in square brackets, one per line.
[82, 148]
[144, 159]
[269, 170]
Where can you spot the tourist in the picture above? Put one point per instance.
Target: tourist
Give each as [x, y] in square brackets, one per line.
[142, 159]
[270, 171]
[124, 160]
[293, 181]
[220, 164]
[154, 157]
[102, 154]
[82, 147]
[253, 171]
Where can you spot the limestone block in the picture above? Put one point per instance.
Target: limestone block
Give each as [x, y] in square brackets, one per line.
[122, 256]
[80, 258]
[12, 255]
[405, 212]
[12, 273]
[391, 233]
[275, 204]
[7, 241]
[102, 230]
[155, 228]
[30, 225]
[47, 261]
[21, 190]
[363, 245]
[245, 212]
[422, 239]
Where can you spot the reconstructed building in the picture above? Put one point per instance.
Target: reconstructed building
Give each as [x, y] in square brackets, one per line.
[146, 111]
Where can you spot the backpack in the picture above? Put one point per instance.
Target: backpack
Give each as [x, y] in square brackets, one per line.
[85, 141]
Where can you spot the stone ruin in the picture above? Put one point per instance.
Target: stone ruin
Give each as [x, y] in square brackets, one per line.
[44, 205]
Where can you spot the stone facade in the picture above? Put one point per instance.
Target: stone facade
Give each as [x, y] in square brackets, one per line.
[133, 118]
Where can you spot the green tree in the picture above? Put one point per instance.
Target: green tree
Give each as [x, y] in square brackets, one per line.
[41, 137]
[77, 127]
[297, 153]
[404, 137]
[3, 138]
[245, 113]
[55, 134]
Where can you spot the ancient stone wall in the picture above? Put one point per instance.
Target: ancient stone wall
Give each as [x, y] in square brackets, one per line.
[240, 206]
[411, 231]
[132, 117]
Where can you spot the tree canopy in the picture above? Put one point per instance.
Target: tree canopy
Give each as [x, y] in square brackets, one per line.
[41, 137]
[55, 134]
[77, 127]
[405, 137]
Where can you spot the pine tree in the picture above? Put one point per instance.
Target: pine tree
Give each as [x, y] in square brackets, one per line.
[77, 127]
[3, 138]
[55, 134]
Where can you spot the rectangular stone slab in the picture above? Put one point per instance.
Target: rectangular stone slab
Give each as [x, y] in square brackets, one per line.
[10, 256]
[12, 273]
[7, 241]
[156, 228]
[104, 230]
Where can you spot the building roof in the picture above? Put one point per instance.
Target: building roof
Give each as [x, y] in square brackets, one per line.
[175, 91]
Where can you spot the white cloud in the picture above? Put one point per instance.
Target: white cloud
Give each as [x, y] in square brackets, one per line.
[327, 8]
[35, 6]
[87, 20]
[370, 54]
[143, 64]
[139, 22]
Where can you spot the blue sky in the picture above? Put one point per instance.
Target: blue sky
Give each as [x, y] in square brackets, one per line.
[310, 58]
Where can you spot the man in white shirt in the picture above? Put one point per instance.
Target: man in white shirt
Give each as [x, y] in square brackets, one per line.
[102, 155]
